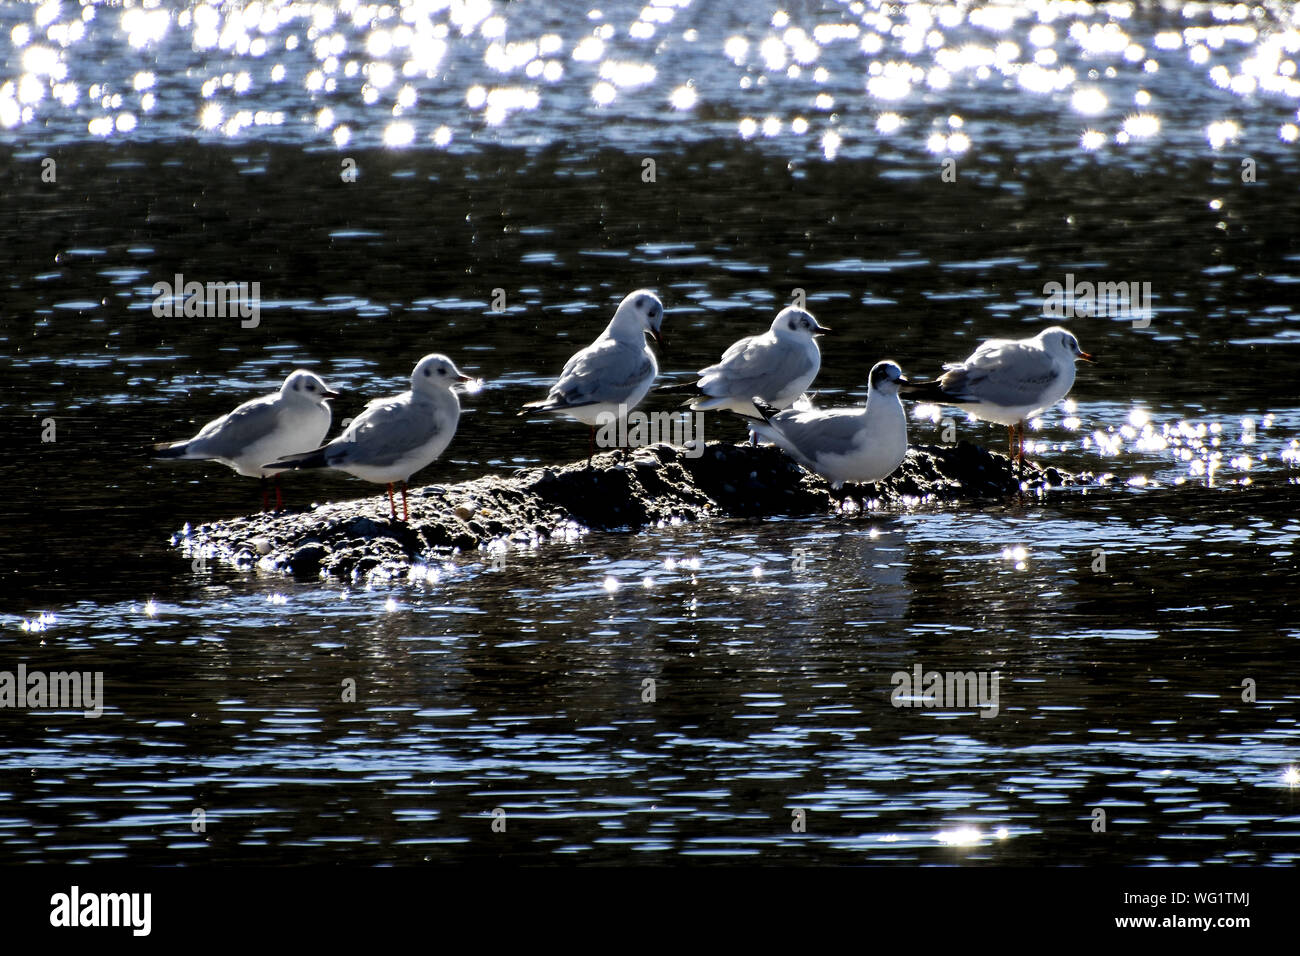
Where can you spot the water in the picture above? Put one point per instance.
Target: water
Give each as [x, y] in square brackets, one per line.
[523, 688]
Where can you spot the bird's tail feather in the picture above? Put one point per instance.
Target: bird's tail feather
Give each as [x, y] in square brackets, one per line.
[306, 459]
[170, 449]
[765, 409]
[931, 391]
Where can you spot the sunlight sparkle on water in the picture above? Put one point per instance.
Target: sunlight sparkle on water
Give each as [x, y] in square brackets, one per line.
[683, 98]
[962, 836]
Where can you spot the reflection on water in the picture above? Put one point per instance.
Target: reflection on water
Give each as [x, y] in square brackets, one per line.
[227, 698]
[682, 691]
[854, 78]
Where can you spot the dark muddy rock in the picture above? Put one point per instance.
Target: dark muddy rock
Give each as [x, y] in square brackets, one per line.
[620, 491]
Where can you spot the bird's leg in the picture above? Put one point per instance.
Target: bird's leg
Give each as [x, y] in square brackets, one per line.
[279, 498]
[591, 447]
[1020, 455]
[406, 515]
[391, 503]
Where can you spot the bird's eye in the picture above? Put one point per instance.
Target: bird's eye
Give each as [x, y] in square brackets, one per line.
[791, 324]
[296, 386]
[426, 373]
[442, 371]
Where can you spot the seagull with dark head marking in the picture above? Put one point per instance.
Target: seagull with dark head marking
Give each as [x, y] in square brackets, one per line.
[860, 445]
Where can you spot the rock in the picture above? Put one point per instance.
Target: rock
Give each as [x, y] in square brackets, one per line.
[307, 560]
[655, 486]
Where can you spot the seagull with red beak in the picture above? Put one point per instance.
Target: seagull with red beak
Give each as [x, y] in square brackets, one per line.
[1008, 381]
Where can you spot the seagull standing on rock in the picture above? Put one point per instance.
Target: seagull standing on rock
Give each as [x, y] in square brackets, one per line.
[845, 444]
[612, 374]
[291, 420]
[1007, 381]
[777, 365]
[395, 437]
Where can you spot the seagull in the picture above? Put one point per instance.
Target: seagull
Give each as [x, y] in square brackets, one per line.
[397, 436]
[613, 373]
[291, 420]
[844, 444]
[777, 365]
[1007, 381]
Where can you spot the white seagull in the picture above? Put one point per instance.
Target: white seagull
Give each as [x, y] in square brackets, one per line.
[777, 365]
[845, 444]
[612, 374]
[395, 437]
[1007, 381]
[291, 420]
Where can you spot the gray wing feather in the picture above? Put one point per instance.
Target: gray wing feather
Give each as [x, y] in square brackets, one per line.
[834, 432]
[605, 371]
[1001, 372]
[386, 431]
[226, 436]
[761, 368]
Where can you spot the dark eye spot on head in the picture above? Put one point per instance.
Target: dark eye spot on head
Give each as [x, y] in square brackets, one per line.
[791, 324]
[442, 371]
[426, 373]
[297, 386]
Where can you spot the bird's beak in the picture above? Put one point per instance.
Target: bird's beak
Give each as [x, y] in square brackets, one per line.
[1088, 357]
[332, 395]
[465, 378]
[659, 339]
[822, 330]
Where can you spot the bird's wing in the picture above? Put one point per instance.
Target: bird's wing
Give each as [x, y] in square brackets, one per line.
[761, 367]
[1001, 372]
[833, 432]
[738, 347]
[386, 431]
[226, 436]
[605, 371]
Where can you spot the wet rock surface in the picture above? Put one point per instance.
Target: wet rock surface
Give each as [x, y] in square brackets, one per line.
[621, 490]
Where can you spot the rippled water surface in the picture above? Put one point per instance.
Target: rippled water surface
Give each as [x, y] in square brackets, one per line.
[921, 171]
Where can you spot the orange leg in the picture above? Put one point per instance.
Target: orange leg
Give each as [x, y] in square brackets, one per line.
[391, 503]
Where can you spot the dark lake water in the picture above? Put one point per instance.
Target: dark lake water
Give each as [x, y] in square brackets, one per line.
[503, 146]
